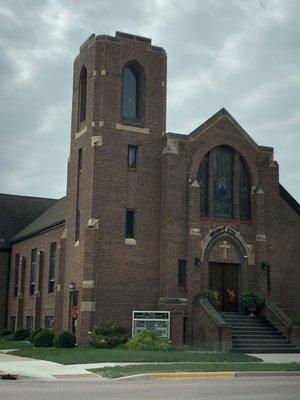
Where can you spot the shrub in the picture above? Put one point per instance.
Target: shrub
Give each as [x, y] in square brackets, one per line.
[148, 340]
[64, 339]
[252, 299]
[5, 332]
[43, 338]
[21, 334]
[34, 333]
[108, 336]
[211, 295]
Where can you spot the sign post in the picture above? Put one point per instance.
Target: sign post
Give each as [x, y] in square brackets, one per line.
[158, 321]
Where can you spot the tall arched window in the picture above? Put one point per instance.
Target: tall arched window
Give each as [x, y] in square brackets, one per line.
[218, 168]
[82, 95]
[131, 96]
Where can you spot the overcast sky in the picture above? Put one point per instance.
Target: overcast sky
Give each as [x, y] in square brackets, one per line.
[243, 55]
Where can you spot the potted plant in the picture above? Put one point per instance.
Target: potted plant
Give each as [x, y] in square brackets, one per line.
[211, 295]
[252, 301]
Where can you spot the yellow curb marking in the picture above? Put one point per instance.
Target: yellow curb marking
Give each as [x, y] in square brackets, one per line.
[177, 375]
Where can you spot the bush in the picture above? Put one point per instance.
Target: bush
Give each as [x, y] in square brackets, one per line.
[21, 334]
[5, 332]
[43, 338]
[108, 336]
[211, 295]
[148, 340]
[64, 339]
[34, 333]
[252, 299]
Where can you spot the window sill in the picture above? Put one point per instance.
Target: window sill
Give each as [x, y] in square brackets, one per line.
[132, 128]
[76, 243]
[130, 241]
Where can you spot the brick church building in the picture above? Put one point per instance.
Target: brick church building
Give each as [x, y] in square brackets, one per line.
[151, 218]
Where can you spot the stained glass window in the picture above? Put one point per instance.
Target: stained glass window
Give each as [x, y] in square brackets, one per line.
[130, 93]
[82, 94]
[223, 162]
[245, 192]
[203, 183]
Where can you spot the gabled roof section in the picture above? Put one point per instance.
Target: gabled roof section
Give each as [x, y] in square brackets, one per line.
[211, 121]
[16, 212]
[289, 199]
[50, 219]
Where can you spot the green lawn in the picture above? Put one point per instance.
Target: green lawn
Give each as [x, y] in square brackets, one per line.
[86, 355]
[11, 344]
[117, 372]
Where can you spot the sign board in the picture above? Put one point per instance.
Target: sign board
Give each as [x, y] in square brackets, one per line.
[158, 321]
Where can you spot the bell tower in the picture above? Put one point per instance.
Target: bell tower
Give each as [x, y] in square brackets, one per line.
[114, 179]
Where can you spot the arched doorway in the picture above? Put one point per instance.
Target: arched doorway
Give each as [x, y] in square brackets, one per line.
[225, 258]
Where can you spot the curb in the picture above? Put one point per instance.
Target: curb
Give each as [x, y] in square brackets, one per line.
[180, 375]
[278, 374]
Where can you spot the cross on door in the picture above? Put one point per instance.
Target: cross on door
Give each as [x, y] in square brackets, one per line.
[225, 246]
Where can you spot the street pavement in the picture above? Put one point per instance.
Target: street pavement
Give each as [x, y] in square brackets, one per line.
[287, 388]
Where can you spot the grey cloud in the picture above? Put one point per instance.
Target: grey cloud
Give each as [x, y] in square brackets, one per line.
[240, 54]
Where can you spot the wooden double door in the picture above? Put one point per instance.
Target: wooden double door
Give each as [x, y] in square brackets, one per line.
[224, 279]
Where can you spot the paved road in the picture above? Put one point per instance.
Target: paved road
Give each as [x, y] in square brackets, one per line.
[189, 389]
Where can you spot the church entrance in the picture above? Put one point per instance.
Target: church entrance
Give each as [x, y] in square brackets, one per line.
[224, 278]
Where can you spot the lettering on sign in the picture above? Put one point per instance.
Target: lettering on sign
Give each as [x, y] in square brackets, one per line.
[158, 321]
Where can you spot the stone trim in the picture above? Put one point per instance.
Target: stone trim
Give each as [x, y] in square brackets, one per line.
[195, 232]
[89, 284]
[134, 129]
[173, 300]
[130, 241]
[93, 223]
[87, 306]
[80, 133]
[96, 141]
[260, 238]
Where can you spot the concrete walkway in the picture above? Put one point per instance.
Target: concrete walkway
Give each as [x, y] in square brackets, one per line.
[278, 358]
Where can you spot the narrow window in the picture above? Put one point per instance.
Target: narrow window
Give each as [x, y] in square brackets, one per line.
[245, 192]
[184, 333]
[203, 184]
[182, 273]
[82, 95]
[29, 324]
[130, 224]
[32, 271]
[132, 156]
[16, 277]
[223, 162]
[77, 215]
[12, 323]
[52, 267]
[48, 321]
[131, 89]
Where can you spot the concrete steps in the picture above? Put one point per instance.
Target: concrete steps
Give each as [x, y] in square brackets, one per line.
[256, 335]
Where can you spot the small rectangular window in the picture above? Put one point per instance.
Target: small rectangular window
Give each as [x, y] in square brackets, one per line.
[29, 324]
[48, 321]
[52, 267]
[16, 277]
[79, 164]
[130, 224]
[132, 156]
[32, 271]
[182, 273]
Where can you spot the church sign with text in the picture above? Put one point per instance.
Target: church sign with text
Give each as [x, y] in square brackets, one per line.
[158, 321]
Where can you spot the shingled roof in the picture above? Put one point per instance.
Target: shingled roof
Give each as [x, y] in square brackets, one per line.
[53, 217]
[16, 212]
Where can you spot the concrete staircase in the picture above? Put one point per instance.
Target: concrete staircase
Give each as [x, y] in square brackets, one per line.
[256, 335]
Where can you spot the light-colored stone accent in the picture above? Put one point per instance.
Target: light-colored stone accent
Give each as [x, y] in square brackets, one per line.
[87, 306]
[135, 129]
[93, 223]
[64, 234]
[96, 141]
[58, 287]
[163, 83]
[195, 184]
[88, 284]
[93, 124]
[94, 73]
[195, 232]
[260, 238]
[250, 254]
[76, 243]
[257, 190]
[103, 71]
[101, 123]
[130, 241]
[172, 146]
[80, 133]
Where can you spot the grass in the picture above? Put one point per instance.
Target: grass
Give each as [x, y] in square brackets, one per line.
[12, 344]
[117, 372]
[85, 355]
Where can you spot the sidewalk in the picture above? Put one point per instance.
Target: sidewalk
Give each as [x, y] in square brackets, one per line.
[278, 358]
